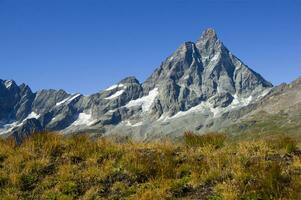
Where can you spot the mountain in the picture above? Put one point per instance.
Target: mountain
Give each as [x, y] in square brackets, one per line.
[194, 88]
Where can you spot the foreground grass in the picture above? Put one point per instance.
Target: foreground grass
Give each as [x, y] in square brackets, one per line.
[48, 166]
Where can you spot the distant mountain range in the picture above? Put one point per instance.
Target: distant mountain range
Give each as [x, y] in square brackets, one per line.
[201, 87]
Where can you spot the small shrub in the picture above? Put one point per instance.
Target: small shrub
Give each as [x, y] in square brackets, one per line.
[180, 188]
[28, 182]
[2, 158]
[215, 197]
[69, 188]
[3, 181]
[119, 190]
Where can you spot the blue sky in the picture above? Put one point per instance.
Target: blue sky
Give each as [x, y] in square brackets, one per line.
[87, 45]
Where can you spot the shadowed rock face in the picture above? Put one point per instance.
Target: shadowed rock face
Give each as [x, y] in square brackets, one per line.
[28, 127]
[200, 80]
[15, 101]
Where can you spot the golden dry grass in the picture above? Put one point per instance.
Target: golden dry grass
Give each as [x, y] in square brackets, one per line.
[49, 166]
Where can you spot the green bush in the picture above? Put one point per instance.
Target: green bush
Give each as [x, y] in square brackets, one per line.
[3, 181]
[180, 188]
[28, 182]
[70, 188]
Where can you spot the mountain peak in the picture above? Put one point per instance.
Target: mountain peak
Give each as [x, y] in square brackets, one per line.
[209, 43]
[209, 34]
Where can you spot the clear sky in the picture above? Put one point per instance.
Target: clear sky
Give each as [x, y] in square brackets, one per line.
[87, 45]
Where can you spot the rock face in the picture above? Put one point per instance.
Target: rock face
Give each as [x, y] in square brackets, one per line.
[28, 127]
[191, 89]
[15, 101]
[199, 71]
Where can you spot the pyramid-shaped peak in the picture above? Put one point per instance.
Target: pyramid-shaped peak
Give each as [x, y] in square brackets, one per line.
[208, 39]
[209, 33]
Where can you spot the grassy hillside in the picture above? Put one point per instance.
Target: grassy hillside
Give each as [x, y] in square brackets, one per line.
[266, 125]
[48, 166]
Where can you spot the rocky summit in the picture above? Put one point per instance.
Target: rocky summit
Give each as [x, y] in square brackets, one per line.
[193, 89]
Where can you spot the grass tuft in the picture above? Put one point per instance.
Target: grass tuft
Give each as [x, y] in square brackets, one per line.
[215, 139]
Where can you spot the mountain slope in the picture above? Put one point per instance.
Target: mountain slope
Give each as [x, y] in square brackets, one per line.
[277, 113]
[191, 89]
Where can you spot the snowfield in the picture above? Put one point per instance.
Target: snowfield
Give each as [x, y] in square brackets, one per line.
[145, 101]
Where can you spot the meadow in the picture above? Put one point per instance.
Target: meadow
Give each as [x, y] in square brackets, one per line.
[211, 166]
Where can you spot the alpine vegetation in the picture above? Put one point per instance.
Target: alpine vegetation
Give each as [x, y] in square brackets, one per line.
[212, 166]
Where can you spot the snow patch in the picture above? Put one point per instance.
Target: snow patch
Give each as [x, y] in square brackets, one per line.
[215, 58]
[116, 94]
[186, 77]
[8, 83]
[68, 100]
[62, 102]
[73, 97]
[170, 58]
[264, 93]
[83, 119]
[199, 108]
[240, 101]
[128, 123]
[205, 58]
[32, 115]
[204, 107]
[115, 86]
[238, 66]
[9, 127]
[112, 87]
[145, 101]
